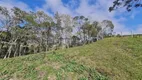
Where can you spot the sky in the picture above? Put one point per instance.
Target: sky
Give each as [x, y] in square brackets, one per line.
[125, 22]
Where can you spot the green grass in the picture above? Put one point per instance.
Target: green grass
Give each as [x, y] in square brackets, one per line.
[108, 59]
[52, 66]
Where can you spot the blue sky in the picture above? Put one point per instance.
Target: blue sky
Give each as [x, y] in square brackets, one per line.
[124, 21]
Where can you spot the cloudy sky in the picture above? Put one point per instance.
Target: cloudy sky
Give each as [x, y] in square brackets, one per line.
[124, 21]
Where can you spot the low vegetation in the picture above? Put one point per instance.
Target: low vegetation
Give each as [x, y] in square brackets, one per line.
[117, 58]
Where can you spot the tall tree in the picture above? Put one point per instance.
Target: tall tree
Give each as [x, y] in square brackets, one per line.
[59, 30]
[43, 29]
[15, 29]
[106, 29]
[67, 23]
[79, 21]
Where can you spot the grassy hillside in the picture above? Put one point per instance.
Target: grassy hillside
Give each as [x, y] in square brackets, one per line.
[108, 59]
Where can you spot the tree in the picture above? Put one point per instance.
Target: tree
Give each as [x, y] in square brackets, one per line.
[67, 24]
[18, 33]
[91, 32]
[58, 30]
[5, 18]
[129, 4]
[106, 29]
[44, 26]
[79, 21]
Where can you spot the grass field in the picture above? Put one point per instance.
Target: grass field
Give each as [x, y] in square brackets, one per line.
[108, 59]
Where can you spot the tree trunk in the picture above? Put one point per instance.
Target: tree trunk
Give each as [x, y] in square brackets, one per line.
[9, 52]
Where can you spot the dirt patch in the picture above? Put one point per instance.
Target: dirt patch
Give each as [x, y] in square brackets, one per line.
[105, 72]
[55, 65]
[51, 77]
[41, 75]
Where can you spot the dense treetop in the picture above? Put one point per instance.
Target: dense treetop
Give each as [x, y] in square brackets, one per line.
[128, 4]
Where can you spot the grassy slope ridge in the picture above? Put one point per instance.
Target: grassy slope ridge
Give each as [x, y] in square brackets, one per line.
[111, 58]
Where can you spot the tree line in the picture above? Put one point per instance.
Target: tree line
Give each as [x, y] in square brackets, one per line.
[26, 32]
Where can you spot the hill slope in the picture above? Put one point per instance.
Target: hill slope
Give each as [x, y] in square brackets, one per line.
[111, 58]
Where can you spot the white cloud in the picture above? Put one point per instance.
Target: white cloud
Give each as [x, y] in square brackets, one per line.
[14, 3]
[72, 4]
[57, 5]
[43, 9]
[139, 29]
[134, 13]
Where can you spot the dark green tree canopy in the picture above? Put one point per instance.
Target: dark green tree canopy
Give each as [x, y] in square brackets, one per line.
[128, 4]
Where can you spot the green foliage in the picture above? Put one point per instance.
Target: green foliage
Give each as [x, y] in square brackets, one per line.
[36, 67]
[128, 4]
[120, 58]
[5, 36]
